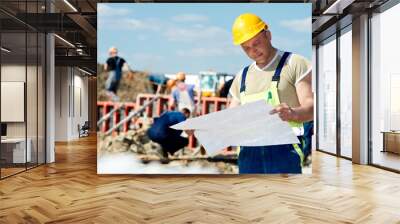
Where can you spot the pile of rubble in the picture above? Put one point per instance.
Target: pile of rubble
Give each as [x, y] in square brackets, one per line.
[138, 143]
[132, 84]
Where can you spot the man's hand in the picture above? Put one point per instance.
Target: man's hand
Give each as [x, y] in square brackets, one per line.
[285, 112]
[189, 132]
[233, 103]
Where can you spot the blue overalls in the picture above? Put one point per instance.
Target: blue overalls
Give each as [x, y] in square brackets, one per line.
[308, 133]
[277, 158]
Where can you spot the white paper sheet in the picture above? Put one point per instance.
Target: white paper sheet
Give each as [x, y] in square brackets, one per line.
[229, 116]
[246, 125]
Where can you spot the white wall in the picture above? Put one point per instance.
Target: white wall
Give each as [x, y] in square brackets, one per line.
[71, 93]
[11, 73]
[82, 83]
[61, 103]
[33, 126]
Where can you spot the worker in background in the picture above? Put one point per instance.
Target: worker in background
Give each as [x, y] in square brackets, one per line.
[114, 65]
[170, 139]
[183, 94]
[281, 78]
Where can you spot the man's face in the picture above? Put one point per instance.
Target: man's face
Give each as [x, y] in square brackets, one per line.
[113, 53]
[186, 113]
[258, 47]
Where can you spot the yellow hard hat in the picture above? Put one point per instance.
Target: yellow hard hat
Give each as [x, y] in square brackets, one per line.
[181, 76]
[246, 26]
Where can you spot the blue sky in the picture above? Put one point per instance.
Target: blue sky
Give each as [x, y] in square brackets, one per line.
[167, 38]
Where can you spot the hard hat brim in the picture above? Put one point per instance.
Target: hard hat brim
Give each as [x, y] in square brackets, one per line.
[250, 35]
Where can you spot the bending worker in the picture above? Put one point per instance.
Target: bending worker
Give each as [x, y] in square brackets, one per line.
[161, 80]
[283, 79]
[169, 139]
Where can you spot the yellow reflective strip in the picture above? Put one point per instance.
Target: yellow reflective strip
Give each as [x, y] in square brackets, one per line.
[251, 97]
[273, 93]
[298, 150]
[295, 124]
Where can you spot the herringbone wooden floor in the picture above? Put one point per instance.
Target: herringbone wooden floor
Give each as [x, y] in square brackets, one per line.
[70, 191]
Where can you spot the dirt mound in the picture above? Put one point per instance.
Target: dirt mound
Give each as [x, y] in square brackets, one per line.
[132, 83]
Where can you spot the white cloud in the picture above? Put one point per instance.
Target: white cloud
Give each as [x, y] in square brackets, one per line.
[133, 24]
[200, 52]
[129, 24]
[172, 32]
[285, 42]
[299, 25]
[205, 41]
[107, 11]
[195, 34]
[147, 57]
[141, 37]
[214, 51]
[190, 18]
[198, 26]
[146, 61]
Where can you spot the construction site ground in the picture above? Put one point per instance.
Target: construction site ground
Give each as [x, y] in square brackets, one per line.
[147, 156]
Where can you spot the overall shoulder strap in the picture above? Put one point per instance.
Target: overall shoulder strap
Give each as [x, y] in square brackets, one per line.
[278, 70]
[273, 95]
[243, 82]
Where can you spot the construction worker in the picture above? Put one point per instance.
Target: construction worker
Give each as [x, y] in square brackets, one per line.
[157, 80]
[114, 65]
[160, 79]
[281, 78]
[169, 139]
[183, 94]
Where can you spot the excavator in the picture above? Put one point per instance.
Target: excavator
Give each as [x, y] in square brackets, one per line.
[211, 82]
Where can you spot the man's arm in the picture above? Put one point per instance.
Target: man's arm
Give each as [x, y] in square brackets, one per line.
[303, 113]
[172, 102]
[125, 67]
[105, 67]
[306, 99]
[234, 103]
[234, 93]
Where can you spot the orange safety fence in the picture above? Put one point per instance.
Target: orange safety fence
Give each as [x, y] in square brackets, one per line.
[207, 105]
